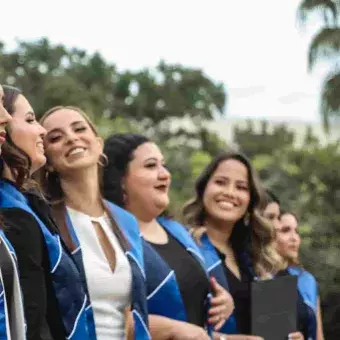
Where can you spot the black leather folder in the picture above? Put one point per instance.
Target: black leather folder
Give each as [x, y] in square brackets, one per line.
[274, 307]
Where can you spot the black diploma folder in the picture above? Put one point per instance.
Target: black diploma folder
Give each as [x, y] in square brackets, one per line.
[274, 307]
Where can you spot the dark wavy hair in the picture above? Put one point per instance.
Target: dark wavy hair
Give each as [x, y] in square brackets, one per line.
[16, 159]
[254, 236]
[119, 150]
[271, 197]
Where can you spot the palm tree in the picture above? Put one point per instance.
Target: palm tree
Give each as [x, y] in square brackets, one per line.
[325, 45]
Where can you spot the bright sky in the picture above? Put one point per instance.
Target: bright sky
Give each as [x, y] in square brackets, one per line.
[254, 47]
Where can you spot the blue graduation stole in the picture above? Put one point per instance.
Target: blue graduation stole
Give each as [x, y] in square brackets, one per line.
[164, 297]
[308, 288]
[215, 268]
[64, 273]
[129, 227]
[3, 309]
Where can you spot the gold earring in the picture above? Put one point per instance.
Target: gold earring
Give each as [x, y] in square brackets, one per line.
[103, 160]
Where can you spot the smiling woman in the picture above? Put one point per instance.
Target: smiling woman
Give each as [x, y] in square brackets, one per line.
[53, 294]
[23, 150]
[235, 240]
[25, 133]
[103, 238]
[12, 322]
[5, 118]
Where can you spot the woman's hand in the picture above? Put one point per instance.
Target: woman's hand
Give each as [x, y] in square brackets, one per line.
[222, 305]
[163, 328]
[188, 331]
[296, 336]
[220, 336]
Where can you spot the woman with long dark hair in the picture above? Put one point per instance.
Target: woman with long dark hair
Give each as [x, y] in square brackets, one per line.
[137, 179]
[54, 299]
[271, 210]
[235, 240]
[12, 322]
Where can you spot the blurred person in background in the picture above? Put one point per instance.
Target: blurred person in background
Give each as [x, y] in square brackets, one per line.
[288, 240]
[272, 208]
[287, 243]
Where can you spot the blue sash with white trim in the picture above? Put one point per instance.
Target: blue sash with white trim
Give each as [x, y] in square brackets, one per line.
[3, 308]
[129, 227]
[64, 273]
[215, 268]
[308, 288]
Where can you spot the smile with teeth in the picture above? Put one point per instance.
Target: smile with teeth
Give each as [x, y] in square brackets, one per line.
[40, 146]
[226, 204]
[76, 151]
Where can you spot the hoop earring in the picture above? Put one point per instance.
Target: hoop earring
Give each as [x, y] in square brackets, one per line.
[103, 160]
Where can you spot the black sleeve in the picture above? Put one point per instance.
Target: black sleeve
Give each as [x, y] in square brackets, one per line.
[24, 233]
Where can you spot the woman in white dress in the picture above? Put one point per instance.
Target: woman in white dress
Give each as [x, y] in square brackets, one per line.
[103, 238]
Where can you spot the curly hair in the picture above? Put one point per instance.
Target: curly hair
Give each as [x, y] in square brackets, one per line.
[270, 197]
[255, 237]
[119, 150]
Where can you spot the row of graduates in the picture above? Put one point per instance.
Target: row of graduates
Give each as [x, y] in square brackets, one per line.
[88, 250]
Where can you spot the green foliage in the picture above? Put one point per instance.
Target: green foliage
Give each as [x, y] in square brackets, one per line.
[325, 46]
[262, 139]
[52, 75]
[199, 160]
[155, 102]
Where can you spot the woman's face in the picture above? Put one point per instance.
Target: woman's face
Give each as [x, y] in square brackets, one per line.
[272, 213]
[70, 142]
[5, 118]
[147, 182]
[226, 197]
[26, 133]
[287, 237]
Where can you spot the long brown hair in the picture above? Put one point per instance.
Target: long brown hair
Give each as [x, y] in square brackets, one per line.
[51, 186]
[49, 181]
[15, 158]
[254, 236]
